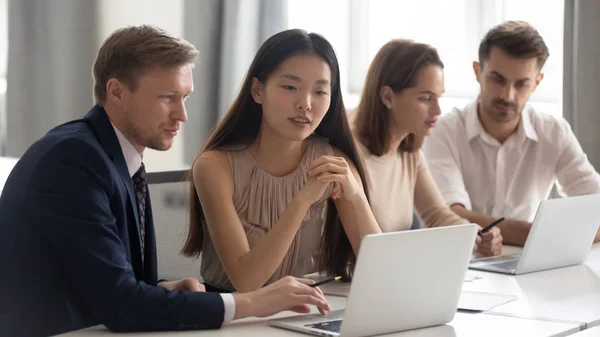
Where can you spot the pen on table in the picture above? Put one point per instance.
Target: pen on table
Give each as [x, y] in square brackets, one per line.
[490, 226]
[326, 281]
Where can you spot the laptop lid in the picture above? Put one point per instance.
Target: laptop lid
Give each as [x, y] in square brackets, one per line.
[562, 233]
[407, 280]
[403, 280]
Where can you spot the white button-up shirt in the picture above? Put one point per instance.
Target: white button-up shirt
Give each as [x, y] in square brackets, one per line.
[133, 159]
[472, 168]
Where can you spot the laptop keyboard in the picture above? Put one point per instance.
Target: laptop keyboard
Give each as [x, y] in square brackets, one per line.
[333, 326]
[508, 265]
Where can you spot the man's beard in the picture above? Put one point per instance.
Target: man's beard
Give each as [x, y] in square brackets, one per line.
[502, 111]
[135, 135]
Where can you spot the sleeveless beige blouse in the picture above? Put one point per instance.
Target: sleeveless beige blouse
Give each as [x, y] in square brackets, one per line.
[260, 199]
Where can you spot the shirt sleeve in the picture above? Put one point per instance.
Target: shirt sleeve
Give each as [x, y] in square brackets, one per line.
[429, 203]
[575, 174]
[229, 303]
[441, 154]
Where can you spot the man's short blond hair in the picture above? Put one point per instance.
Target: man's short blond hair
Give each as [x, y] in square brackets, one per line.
[129, 52]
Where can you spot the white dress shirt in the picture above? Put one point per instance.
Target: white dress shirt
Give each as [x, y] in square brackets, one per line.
[133, 159]
[472, 168]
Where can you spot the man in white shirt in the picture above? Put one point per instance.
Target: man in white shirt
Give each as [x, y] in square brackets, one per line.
[78, 247]
[499, 157]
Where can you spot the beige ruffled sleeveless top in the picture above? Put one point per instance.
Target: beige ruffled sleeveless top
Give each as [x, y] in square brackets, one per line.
[260, 199]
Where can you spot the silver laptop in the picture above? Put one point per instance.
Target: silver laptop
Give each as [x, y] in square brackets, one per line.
[561, 235]
[402, 281]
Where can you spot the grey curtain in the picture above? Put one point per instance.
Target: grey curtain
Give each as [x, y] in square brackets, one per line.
[227, 33]
[52, 47]
[582, 74]
[3, 65]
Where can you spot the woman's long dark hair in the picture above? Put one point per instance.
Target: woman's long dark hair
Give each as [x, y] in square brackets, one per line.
[241, 126]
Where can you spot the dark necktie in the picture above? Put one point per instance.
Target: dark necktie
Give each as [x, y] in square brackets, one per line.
[141, 189]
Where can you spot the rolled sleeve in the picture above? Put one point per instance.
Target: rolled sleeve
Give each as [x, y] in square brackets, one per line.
[574, 172]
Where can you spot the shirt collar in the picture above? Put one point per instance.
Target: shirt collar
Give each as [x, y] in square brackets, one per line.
[526, 124]
[474, 127]
[132, 158]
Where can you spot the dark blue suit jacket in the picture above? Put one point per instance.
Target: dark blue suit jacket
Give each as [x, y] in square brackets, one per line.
[70, 248]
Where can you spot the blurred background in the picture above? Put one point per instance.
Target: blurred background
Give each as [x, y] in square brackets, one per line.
[47, 48]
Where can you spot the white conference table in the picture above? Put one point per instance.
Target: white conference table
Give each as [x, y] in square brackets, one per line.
[557, 302]
[463, 325]
[570, 294]
[592, 332]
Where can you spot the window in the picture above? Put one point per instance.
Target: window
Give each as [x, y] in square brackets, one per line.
[358, 28]
[330, 20]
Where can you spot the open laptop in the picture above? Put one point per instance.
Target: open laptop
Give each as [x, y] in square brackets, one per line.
[561, 235]
[402, 281]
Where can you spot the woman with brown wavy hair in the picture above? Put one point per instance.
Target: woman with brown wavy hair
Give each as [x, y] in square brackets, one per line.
[280, 181]
[398, 109]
